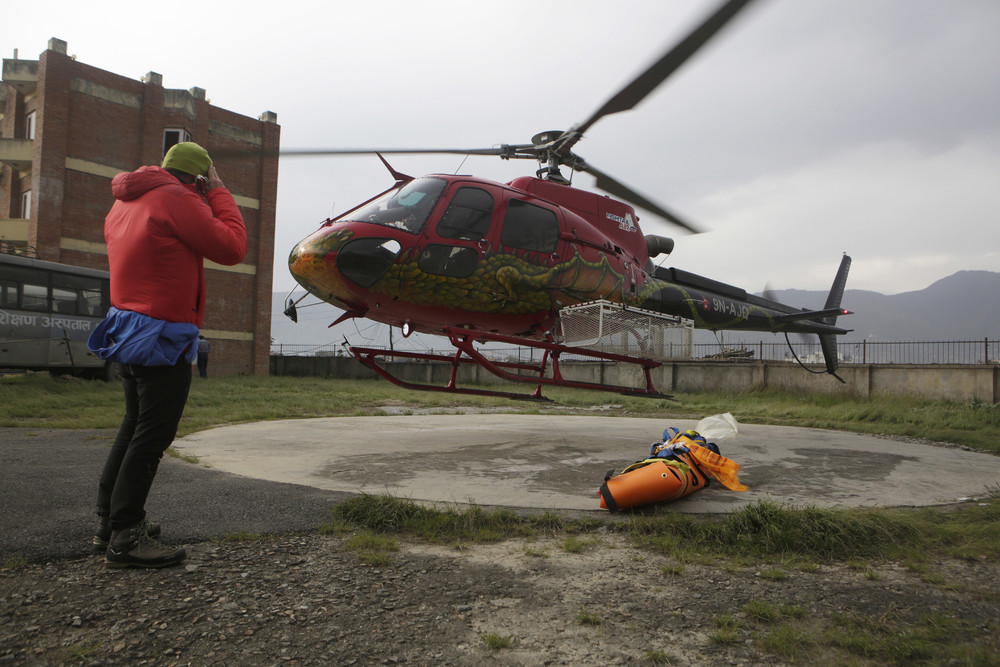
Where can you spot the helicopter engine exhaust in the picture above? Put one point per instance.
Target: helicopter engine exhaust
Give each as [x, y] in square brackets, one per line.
[659, 245]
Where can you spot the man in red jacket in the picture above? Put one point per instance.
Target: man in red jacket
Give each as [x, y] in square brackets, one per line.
[158, 232]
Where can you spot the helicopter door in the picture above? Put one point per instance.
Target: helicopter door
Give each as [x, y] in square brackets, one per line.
[463, 231]
[533, 228]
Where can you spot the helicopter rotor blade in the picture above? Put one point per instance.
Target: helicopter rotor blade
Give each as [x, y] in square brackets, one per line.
[629, 96]
[622, 191]
[319, 152]
[555, 148]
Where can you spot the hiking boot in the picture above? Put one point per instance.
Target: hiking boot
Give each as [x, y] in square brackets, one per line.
[133, 547]
[103, 534]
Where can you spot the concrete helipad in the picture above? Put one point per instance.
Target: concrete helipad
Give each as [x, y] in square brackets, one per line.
[558, 462]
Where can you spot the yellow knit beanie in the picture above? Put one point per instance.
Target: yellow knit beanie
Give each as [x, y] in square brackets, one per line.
[189, 157]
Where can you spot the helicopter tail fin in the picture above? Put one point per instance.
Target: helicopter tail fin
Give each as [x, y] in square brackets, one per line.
[837, 290]
[828, 341]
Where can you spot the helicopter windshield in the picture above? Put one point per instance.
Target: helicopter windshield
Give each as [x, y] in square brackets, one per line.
[406, 208]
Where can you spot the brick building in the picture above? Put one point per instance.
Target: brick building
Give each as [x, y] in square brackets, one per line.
[67, 128]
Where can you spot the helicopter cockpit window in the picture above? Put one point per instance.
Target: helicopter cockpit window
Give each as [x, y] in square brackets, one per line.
[406, 208]
[468, 215]
[530, 227]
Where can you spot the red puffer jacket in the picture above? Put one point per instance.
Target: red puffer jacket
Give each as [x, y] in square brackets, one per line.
[158, 232]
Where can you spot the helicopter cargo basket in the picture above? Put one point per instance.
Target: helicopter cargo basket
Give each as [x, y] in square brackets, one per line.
[614, 328]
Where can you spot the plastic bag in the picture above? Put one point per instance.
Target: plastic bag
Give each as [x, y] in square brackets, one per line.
[718, 427]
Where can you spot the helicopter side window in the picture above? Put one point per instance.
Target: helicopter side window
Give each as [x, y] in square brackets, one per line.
[406, 208]
[530, 227]
[447, 260]
[468, 215]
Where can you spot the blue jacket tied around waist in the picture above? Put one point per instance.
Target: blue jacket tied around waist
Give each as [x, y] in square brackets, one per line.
[133, 338]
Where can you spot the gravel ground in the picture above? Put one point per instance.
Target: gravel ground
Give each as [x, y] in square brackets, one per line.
[297, 596]
[304, 599]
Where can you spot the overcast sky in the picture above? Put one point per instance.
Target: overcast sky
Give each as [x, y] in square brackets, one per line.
[806, 129]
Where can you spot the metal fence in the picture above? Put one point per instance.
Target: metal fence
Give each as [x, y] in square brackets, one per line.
[958, 352]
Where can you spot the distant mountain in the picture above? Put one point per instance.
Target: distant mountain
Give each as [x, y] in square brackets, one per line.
[963, 306]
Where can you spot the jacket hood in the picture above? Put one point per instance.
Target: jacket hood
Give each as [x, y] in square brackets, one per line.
[132, 185]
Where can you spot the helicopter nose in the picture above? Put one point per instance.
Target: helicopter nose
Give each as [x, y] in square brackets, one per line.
[330, 259]
[364, 261]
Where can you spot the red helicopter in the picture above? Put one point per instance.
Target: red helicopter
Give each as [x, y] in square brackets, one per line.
[480, 261]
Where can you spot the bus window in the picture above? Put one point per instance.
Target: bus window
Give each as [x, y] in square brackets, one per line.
[89, 303]
[76, 295]
[8, 294]
[63, 301]
[34, 297]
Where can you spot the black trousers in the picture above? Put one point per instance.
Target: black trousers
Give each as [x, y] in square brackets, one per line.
[154, 402]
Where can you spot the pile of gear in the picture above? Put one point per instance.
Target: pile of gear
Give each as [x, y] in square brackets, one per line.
[678, 465]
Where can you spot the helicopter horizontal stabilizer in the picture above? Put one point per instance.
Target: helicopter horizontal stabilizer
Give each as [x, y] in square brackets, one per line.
[813, 315]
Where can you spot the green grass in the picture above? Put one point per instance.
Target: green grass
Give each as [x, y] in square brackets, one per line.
[773, 574]
[241, 536]
[495, 642]
[83, 651]
[573, 544]
[726, 629]
[792, 642]
[372, 548]
[762, 611]
[905, 638]
[534, 552]
[386, 514]
[658, 658]
[768, 530]
[763, 532]
[39, 401]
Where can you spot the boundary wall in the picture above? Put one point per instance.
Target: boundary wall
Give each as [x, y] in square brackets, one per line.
[930, 381]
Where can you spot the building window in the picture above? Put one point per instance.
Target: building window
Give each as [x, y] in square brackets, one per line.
[29, 126]
[174, 136]
[26, 204]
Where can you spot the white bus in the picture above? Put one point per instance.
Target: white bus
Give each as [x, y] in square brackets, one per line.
[47, 311]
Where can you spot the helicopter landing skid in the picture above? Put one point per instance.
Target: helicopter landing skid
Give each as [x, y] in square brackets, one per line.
[514, 371]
